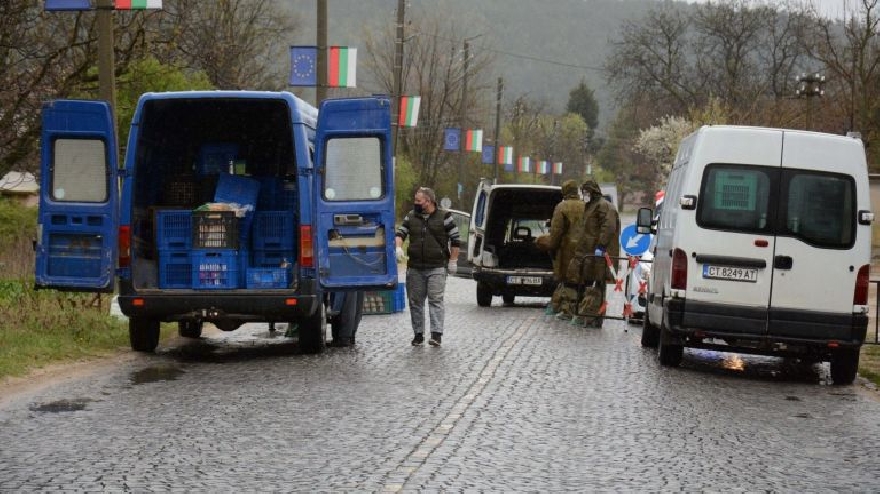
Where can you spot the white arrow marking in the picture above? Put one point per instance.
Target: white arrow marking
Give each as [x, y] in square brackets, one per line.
[633, 241]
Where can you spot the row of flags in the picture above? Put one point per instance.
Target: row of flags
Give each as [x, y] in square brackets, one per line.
[59, 5]
[473, 141]
[341, 66]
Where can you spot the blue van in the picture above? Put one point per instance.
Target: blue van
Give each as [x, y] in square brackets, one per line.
[230, 207]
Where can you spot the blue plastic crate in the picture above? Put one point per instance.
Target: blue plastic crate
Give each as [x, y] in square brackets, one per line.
[273, 230]
[214, 158]
[268, 278]
[173, 229]
[276, 194]
[175, 269]
[216, 269]
[239, 190]
[273, 258]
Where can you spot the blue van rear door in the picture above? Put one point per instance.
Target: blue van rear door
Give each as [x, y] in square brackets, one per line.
[76, 247]
[354, 229]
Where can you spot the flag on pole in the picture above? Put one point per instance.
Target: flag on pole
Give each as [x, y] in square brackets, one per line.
[59, 5]
[303, 64]
[557, 167]
[508, 167]
[474, 140]
[524, 164]
[505, 156]
[543, 167]
[342, 66]
[451, 139]
[137, 4]
[409, 111]
[488, 155]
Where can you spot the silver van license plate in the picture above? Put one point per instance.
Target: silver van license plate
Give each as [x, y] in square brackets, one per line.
[730, 273]
[524, 280]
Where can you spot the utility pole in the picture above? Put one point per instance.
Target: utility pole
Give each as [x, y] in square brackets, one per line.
[106, 82]
[463, 109]
[398, 74]
[498, 93]
[321, 90]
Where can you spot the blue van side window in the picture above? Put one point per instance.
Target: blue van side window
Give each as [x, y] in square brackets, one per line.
[79, 170]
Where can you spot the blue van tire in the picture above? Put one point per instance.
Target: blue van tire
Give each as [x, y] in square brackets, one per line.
[143, 334]
[844, 365]
[346, 323]
[313, 331]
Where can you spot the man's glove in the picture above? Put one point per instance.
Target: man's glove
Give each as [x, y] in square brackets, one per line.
[452, 267]
[599, 251]
[401, 256]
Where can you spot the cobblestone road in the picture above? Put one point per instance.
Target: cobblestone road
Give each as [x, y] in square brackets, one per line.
[510, 402]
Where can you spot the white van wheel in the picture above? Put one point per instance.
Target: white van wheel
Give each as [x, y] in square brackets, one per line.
[844, 366]
[650, 333]
[670, 353]
[484, 295]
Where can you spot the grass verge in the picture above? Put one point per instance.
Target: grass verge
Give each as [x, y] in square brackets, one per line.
[869, 363]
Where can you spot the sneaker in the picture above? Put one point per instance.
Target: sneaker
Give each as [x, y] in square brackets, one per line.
[435, 339]
[418, 339]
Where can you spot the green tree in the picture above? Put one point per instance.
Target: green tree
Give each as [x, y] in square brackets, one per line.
[581, 101]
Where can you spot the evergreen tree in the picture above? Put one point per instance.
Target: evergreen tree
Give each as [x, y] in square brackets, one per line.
[581, 101]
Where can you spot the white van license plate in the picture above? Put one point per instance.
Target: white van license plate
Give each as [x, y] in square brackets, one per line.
[524, 280]
[730, 273]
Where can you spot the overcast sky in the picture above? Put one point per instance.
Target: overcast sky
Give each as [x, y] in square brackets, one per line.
[830, 8]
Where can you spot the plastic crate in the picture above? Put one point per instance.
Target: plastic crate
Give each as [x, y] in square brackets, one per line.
[239, 190]
[215, 230]
[175, 269]
[216, 269]
[214, 158]
[276, 194]
[385, 301]
[181, 191]
[273, 230]
[173, 229]
[267, 278]
[273, 258]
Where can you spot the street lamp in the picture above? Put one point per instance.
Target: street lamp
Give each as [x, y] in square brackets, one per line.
[810, 86]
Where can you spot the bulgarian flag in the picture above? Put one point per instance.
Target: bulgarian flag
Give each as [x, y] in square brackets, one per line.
[409, 111]
[474, 141]
[557, 168]
[543, 167]
[524, 164]
[137, 4]
[505, 155]
[342, 66]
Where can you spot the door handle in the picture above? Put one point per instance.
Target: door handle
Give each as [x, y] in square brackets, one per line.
[782, 262]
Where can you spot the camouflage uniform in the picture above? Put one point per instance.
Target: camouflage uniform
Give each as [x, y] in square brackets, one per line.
[563, 241]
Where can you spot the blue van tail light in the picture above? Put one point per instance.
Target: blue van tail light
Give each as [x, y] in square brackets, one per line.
[679, 270]
[124, 246]
[860, 294]
[306, 249]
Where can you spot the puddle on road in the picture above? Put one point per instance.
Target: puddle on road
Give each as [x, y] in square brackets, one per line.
[155, 374]
[60, 406]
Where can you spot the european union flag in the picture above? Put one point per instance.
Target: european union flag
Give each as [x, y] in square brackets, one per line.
[451, 139]
[303, 66]
[68, 5]
[488, 155]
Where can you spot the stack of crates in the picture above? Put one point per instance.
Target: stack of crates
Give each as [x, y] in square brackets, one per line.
[273, 252]
[216, 260]
[174, 243]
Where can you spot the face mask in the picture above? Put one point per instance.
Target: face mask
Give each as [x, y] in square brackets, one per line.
[418, 208]
[587, 197]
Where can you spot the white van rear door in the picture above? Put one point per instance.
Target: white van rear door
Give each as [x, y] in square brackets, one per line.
[730, 253]
[477, 229]
[816, 258]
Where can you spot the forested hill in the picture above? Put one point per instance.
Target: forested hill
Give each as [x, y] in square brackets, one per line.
[542, 48]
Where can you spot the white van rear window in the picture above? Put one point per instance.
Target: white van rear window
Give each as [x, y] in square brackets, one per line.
[816, 207]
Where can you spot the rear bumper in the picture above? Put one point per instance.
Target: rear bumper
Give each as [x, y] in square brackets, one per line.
[768, 331]
[496, 280]
[238, 305]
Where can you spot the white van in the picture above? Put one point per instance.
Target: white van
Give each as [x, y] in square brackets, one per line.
[763, 247]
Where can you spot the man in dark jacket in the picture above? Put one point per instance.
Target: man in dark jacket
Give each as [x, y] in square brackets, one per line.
[433, 241]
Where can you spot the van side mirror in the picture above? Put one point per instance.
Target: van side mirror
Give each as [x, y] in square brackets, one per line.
[644, 221]
[865, 217]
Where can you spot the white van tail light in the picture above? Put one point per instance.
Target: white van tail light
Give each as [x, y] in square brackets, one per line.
[679, 270]
[860, 294]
